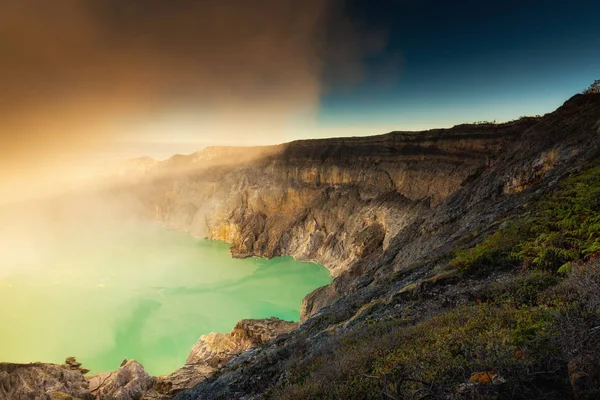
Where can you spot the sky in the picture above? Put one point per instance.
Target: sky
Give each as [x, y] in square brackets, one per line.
[83, 82]
[466, 61]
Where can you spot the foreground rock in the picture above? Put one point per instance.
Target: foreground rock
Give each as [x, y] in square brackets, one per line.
[39, 381]
[216, 349]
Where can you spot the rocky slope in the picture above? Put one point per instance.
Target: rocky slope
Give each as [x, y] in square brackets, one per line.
[407, 228]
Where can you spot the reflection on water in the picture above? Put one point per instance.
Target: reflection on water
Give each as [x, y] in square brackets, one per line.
[135, 290]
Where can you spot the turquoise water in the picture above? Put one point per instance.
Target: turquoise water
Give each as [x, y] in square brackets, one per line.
[135, 290]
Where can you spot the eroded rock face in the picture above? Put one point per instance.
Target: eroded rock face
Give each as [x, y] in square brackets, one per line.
[38, 381]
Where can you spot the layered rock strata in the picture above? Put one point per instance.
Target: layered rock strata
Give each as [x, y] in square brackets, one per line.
[332, 201]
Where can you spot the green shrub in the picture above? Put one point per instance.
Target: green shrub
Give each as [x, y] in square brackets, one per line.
[495, 251]
[522, 290]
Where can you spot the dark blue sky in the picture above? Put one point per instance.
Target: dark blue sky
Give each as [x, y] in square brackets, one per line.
[466, 61]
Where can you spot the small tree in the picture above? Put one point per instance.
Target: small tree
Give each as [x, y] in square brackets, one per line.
[594, 87]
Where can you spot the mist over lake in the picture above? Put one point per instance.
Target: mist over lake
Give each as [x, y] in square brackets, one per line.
[107, 291]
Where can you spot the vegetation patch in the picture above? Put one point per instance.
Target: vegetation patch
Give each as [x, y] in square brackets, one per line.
[561, 229]
[524, 289]
[435, 357]
[496, 250]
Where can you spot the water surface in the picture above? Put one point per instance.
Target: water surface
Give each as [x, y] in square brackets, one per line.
[104, 293]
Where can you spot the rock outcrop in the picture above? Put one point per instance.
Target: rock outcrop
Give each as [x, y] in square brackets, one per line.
[129, 382]
[74, 365]
[215, 350]
[38, 381]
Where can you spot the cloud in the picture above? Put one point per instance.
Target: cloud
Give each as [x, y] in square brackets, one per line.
[80, 76]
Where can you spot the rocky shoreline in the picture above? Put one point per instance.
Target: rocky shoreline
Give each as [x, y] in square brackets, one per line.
[41, 381]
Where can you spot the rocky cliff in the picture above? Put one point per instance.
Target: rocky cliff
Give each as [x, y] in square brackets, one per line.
[331, 201]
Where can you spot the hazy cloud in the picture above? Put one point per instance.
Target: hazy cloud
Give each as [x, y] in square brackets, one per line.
[78, 76]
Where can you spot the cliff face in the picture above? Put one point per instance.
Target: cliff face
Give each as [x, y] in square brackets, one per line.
[331, 201]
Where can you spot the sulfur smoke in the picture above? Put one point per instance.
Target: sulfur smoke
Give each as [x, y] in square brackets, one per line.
[83, 78]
